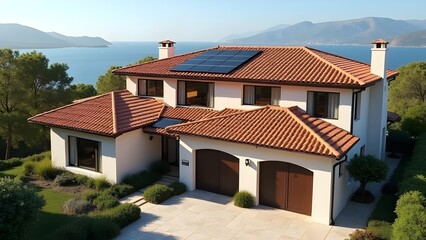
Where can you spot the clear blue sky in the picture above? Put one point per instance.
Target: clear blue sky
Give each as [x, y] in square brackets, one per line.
[190, 20]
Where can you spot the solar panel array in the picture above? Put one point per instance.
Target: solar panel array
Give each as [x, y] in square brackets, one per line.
[216, 61]
[165, 122]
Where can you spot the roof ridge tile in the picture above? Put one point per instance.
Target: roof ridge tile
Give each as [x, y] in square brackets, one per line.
[114, 113]
[306, 127]
[312, 52]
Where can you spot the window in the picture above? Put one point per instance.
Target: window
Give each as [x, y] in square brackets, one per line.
[84, 153]
[356, 106]
[323, 104]
[195, 93]
[152, 88]
[261, 95]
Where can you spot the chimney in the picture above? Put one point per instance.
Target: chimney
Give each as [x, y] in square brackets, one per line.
[166, 49]
[378, 57]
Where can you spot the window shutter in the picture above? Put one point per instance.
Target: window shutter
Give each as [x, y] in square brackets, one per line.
[275, 96]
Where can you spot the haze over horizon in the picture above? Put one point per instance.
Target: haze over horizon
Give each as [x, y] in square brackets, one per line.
[190, 20]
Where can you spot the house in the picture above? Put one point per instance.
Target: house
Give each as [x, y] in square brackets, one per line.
[280, 122]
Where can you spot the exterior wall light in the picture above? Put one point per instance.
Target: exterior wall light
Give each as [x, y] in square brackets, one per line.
[247, 162]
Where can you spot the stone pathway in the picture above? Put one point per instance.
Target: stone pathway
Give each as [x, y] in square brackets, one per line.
[204, 215]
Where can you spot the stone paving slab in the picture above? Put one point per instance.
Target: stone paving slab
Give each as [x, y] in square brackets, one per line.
[203, 215]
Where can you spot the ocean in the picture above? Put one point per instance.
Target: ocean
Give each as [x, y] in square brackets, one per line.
[87, 64]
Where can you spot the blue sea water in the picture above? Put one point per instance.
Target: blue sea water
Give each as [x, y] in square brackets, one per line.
[87, 64]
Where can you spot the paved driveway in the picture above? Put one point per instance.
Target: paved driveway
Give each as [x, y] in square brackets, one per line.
[204, 215]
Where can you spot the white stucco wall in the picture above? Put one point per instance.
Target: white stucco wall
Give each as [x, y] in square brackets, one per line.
[249, 175]
[60, 157]
[132, 85]
[135, 151]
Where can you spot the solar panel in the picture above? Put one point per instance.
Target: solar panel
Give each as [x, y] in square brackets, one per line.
[216, 61]
[165, 122]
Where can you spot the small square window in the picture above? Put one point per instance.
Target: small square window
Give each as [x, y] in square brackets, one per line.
[323, 104]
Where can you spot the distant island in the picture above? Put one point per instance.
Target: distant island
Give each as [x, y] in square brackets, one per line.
[16, 36]
[348, 32]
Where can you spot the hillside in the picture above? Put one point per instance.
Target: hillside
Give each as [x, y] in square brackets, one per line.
[414, 39]
[18, 36]
[356, 31]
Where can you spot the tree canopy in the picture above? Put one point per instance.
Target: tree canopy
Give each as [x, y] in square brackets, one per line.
[30, 85]
[407, 97]
[111, 82]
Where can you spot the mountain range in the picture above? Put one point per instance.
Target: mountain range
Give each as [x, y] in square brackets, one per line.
[348, 32]
[18, 36]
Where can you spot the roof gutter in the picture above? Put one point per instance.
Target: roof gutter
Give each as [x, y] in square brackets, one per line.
[332, 222]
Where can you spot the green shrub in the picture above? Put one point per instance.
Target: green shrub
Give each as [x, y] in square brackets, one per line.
[121, 215]
[159, 167]
[177, 188]
[77, 206]
[410, 224]
[90, 183]
[88, 228]
[29, 167]
[65, 179]
[367, 169]
[81, 179]
[142, 179]
[383, 229]
[21, 177]
[101, 183]
[39, 157]
[90, 195]
[10, 163]
[45, 170]
[105, 201]
[19, 206]
[119, 190]
[157, 193]
[409, 198]
[361, 234]
[243, 199]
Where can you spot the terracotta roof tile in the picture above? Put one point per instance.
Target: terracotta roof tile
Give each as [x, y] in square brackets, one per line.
[289, 129]
[110, 114]
[278, 65]
[187, 113]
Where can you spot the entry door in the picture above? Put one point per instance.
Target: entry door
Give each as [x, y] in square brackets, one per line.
[170, 150]
[217, 172]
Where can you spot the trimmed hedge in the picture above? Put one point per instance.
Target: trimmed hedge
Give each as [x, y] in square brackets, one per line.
[122, 215]
[77, 206]
[243, 199]
[157, 193]
[415, 172]
[411, 221]
[177, 188]
[88, 228]
[105, 201]
[142, 179]
[119, 190]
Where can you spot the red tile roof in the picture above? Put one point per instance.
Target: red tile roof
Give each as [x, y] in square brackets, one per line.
[110, 114]
[187, 113]
[380, 41]
[275, 65]
[289, 129]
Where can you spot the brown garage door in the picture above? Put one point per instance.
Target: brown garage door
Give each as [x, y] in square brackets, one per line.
[217, 172]
[286, 186]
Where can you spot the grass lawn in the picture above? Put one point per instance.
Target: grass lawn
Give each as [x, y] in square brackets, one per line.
[51, 216]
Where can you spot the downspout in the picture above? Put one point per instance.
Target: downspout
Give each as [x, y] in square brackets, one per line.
[332, 188]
